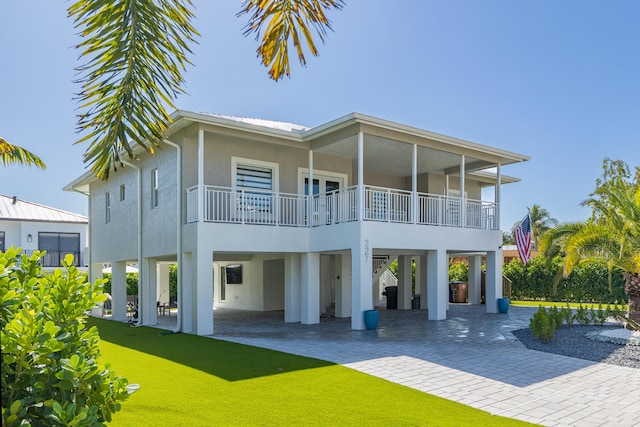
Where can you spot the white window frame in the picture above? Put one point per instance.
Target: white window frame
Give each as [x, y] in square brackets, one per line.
[107, 207]
[321, 175]
[275, 170]
[155, 177]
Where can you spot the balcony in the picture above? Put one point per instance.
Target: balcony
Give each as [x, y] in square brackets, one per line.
[55, 258]
[380, 204]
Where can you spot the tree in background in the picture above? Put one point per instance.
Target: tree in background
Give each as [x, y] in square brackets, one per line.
[541, 221]
[612, 234]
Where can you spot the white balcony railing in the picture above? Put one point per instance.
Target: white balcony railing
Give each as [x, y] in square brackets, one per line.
[242, 206]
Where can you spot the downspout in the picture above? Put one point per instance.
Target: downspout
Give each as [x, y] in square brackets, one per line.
[140, 269]
[178, 229]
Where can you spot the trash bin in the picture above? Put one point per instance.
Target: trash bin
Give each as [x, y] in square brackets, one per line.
[391, 292]
[458, 292]
[415, 302]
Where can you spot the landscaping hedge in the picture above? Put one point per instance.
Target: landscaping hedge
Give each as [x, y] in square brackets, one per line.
[586, 283]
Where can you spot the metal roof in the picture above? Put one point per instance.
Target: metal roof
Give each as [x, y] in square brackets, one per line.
[14, 209]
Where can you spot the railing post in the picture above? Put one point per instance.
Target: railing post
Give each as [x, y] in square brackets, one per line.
[277, 208]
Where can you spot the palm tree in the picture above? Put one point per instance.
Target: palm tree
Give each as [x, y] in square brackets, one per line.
[541, 221]
[12, 154]
[612, 234]
[137, 50]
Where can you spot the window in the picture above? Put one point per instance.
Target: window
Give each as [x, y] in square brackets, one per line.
[154, 188]
[2, 241]
[57, 246]
[121, 192]
[258, 176]
[107, 207]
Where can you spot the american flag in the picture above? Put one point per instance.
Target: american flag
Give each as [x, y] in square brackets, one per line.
[522, 234]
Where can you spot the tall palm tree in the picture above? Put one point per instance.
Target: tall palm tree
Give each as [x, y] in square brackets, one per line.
[12, 154]
[137, 50]
[541, 221]
[612, 234]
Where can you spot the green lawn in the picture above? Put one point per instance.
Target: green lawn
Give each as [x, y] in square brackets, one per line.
[194, 381]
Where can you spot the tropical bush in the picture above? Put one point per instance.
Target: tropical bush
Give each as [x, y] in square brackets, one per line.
[458, 272]
[132, 282]
[50, 369]
[587, 283]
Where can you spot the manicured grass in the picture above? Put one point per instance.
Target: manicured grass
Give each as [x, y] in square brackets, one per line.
[195, 381]
[564, 304]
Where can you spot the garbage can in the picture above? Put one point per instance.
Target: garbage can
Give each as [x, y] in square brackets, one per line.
[415, 302]
[391, 292]
[458, 291]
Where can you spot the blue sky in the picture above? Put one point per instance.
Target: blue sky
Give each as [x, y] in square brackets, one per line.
[556, 80]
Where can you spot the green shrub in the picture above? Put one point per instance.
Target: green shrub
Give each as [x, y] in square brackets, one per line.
[50, 369]
[459, 272]
[583, 316]
[542, 326]
[567, 315]
[556, 317]
[132, 283]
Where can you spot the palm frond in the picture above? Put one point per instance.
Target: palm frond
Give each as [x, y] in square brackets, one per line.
[283, 20]
[136, 52]
[13, 155]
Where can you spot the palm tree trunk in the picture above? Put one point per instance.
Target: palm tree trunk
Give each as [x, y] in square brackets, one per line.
[632, 288]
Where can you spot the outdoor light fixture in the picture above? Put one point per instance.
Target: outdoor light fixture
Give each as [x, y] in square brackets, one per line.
[29, 238]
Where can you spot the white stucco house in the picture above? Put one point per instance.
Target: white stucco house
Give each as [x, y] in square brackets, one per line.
[228, 199]
[32, 226]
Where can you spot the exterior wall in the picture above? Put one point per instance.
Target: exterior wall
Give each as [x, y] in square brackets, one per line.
[16, 233]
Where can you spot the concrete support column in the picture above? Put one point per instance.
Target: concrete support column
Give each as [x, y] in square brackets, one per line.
[361, 283]
[163, 282]
[475, 285]
[493, 283]
[185, 307]
[437, 283]
[148, 282]
[423, 277]
[292, 288]
[119, 290]
[310, 293]
[203, 298]
[404, 282]
[343, 285]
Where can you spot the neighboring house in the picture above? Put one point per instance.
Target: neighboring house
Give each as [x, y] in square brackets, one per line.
[229, 200]
[31, 227]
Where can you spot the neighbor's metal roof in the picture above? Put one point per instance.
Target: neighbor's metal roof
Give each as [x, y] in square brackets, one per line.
[27, 211]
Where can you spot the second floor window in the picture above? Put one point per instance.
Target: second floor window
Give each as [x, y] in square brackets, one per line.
[154, 188]
[107, 207]
[57, 246]
[122, 192]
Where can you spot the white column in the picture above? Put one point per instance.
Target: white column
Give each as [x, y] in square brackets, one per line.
[474, 285]
[292, 288]
[404, 282]
[438, 286]
[311, 215]
[361, 284]
[493, 282]
[119, 290]
[414, 184]
[343, 285]
[424, 277]
[201, 209]
[463, 199]
[149, 284]
[186, 305]
[360, 180]
[310, 292]
[163, 282]
[497, 196]
[203, 298]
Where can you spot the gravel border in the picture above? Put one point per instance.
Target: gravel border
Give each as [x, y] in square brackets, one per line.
[572, 341]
